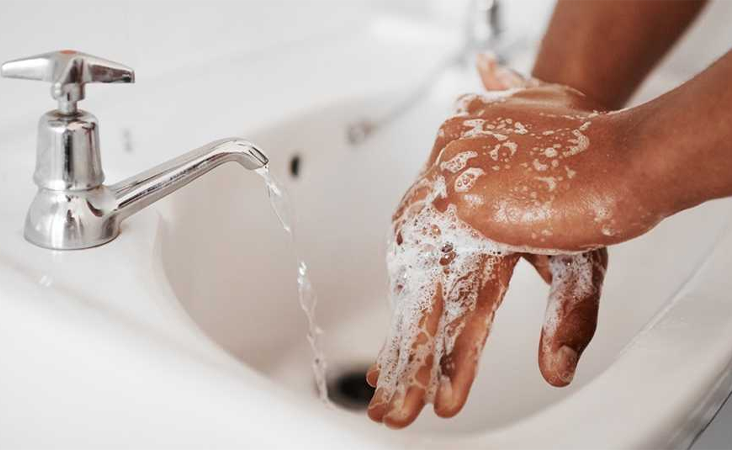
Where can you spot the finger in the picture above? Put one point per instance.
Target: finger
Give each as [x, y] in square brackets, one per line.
[459, 365]
[404, 409]
[378, 404]
[409, 398]
[495, 77]
[571, 314]
[541, 264]
[372, 375]
[386, 366]
[498, 78]
[380, 401]
[403, 376]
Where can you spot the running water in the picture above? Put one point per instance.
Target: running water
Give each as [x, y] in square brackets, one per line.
[282, 207]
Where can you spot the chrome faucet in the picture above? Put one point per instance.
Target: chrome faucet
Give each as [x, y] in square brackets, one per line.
[484, 26]
[73, 209]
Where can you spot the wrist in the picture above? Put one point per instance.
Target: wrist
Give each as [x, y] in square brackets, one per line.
[657, 170]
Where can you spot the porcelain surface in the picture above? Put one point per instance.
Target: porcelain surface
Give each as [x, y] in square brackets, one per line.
[186, 333]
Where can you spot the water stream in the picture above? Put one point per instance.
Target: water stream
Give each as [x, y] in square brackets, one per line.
[280, 202]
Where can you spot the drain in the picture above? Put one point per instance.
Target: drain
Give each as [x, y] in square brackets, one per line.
[350, 390]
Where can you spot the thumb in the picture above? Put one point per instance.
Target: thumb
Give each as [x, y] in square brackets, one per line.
[496, 77]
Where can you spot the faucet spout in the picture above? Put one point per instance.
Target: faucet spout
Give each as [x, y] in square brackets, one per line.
[69, 217]
[143, 189]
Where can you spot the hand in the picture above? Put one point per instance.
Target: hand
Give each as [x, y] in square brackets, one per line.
[552, 170]
[448, 279]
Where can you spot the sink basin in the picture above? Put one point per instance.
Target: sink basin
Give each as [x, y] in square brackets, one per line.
[185, 331]
[235, 277]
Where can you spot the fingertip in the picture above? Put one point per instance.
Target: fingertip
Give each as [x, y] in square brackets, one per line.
[395, 421]
[571, 318]
[399, 419]
[509, 78]
[450, 408]
[498, 78]
[558, 368]
[378, 406]
[443, 399]
[449, 399]
[376, 413]
[404, 409]
[486, 61]
[566, 365]
[487, 65]
[372, 375]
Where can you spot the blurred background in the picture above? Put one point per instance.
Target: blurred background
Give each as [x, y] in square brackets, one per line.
[190, 45]
[176, 41]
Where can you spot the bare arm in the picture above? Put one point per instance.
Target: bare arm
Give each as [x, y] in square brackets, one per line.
[606, 48]
[686, 141]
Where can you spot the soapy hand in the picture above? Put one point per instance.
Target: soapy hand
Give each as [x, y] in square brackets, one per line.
[503, 167]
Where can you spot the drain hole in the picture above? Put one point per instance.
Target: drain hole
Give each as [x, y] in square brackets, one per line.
[295, 166]
[350, 389]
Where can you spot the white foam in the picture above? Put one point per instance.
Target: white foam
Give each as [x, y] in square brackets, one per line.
[494, 152]
[551, 182]
[511, 146]
[458, 162]
[474, 200]
[520, 128]
[539, 166]
[571, 283]
[466, 180]
[437, 249]
[478, 130]
[581, 143]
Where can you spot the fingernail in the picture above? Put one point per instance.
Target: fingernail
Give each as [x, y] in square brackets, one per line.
[509, 78]
[371, 377]
[485, 60]
[487, 56]
[566, 363]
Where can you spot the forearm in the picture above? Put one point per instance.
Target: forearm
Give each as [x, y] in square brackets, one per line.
[606, 48]
[685, 141]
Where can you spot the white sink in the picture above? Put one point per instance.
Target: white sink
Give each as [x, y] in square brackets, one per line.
[236, 279]
[185, 332]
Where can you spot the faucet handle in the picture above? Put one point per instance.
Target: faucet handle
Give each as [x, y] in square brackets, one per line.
[68, 71]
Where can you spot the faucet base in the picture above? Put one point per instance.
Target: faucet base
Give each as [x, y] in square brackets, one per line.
[72, 220]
